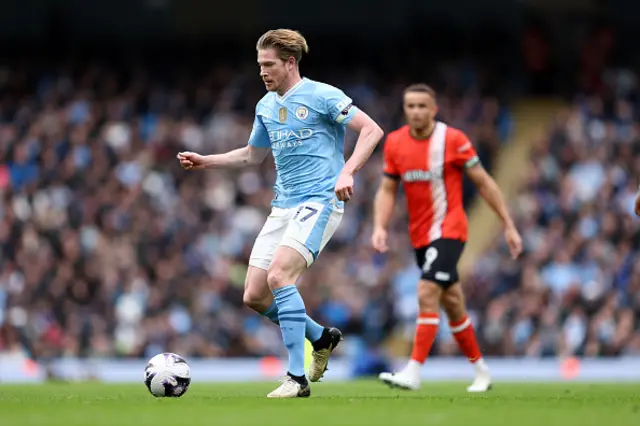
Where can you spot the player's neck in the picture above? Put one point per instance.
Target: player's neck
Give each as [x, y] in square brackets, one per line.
[423, 133]
[289, 84]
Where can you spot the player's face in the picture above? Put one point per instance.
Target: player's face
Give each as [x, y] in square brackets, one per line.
[273, 70]
[420, 109]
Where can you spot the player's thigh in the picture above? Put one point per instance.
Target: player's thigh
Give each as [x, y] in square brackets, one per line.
[310, 229]
[269, 239]
[453, 302]
[439, 264]
[439, 261]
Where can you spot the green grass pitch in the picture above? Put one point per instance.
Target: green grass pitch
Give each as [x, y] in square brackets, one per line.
[362, 403]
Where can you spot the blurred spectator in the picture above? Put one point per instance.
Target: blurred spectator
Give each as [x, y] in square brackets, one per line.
[577, 285]
[110, 248]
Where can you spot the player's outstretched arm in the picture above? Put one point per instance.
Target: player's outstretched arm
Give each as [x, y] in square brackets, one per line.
[369, 136]
[489, 190]
[254, 153]
[240, 157]
[637, 207]
[383, 206]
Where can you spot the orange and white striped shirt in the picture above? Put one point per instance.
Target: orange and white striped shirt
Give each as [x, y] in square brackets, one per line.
[431, 172]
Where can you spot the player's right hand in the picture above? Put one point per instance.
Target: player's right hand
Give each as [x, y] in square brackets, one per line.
[191, 160]
[379, 240]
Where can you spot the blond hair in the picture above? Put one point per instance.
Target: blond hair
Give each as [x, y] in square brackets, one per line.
[287, 43]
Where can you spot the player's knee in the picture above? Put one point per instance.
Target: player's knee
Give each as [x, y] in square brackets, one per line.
[256, 292]
[428, 296]
[278, 277]
[285, 269]
[451, 299]
[453, 303]
[254, 301]
[455, 313]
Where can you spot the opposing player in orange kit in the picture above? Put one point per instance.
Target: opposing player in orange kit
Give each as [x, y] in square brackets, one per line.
[429, 158]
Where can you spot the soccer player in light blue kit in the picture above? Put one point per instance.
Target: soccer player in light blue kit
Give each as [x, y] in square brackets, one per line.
[303, 123]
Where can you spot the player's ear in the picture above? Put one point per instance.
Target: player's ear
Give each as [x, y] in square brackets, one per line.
[291, 63]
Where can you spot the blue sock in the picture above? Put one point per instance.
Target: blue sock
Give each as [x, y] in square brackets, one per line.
[292, 316]
[313, 330]
[272, 313]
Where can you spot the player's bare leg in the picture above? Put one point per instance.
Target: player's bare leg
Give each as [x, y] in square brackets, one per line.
[429, 294]
[453, 302]
[258, 297]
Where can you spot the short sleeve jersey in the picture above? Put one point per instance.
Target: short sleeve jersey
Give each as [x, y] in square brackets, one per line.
[431, 172]
[305, 129]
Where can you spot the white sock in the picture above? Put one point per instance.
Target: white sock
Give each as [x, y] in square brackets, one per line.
[480, 366]
[413, 368]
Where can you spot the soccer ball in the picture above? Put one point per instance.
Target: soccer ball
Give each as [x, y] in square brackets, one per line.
[167, 375]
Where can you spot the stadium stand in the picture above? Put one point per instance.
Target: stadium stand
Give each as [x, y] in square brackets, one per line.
[575, 292]
[110, 248]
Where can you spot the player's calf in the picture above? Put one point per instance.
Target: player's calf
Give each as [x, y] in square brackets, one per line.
[255, 302]
[453, 303]
[460, 323]
[259, 298]
[427, 325]
[409, 377]
[284, 271]
[257, 295]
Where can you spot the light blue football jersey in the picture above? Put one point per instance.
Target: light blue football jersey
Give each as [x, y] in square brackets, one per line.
[305, 130]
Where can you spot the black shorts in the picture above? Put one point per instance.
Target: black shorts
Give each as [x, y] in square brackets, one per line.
[439, 261]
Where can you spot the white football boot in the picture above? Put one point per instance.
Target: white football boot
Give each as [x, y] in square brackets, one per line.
[408, 378]
[482, 383]
[290, 389]
[320, 358]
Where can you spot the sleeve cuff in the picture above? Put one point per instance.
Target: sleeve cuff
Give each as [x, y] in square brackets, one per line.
[472, 162]
[392, 176]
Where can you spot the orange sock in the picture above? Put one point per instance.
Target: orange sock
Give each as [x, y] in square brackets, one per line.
[466, 337]
[426, 329]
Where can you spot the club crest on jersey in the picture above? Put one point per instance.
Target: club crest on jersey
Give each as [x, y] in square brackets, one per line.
[282, 114]
[302, 112]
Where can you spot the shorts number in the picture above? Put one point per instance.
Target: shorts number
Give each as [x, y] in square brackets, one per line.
[429, 257]
[311, 211]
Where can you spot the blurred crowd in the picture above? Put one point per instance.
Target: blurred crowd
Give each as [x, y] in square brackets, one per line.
[109, 248]
[576, 291]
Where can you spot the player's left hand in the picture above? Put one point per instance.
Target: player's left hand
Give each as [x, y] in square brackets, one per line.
[344, 186]
[514, 241]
